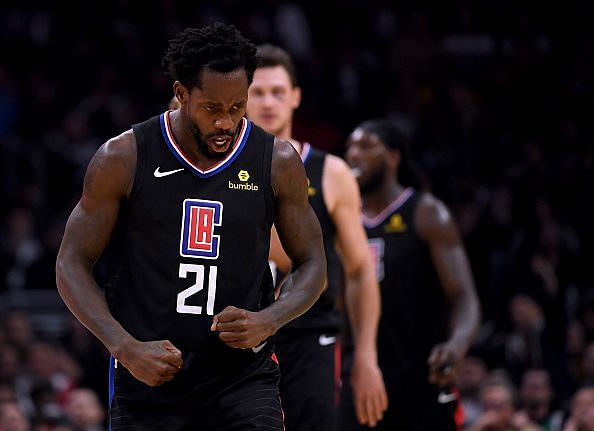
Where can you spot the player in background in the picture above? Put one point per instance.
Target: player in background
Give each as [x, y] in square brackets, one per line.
[306, 347]
[430, 311]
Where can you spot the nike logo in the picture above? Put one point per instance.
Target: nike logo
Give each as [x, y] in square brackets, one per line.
[326, 341]
[159, 174]
[444, 397]
[260, 347]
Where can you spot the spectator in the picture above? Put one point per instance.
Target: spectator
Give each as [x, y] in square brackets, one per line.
[472, 374]
[587, 368]
[84, 410]
[18, 330]
[7, 393]
[497, 401]
[536, 400]
[12, 418]
[581, 410]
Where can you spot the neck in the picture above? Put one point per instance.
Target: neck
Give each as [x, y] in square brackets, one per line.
[377, 200]
[181, 129]
[285, 133]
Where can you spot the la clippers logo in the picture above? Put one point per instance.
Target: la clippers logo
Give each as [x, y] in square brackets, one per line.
[376, 247]
[199, 221]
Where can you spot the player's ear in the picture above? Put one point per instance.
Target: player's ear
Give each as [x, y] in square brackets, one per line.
[394, 158]
[181, 93]
[296, 97]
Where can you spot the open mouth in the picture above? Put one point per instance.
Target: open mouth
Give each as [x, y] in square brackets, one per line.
[220, 143]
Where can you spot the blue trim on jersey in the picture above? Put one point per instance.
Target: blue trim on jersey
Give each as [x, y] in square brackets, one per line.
[111, 388]
[307, 157]
[307, 148]
[208, 173]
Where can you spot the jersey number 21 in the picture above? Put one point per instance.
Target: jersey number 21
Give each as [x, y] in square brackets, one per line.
[189, 268]
[198, 240]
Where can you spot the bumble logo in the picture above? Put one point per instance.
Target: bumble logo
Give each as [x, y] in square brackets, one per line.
[311, 191]
[243, 176]
[396, 224]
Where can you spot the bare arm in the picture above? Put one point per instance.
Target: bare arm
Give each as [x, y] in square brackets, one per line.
[299, 231]
[362, 294]
[300, 234]
[436, 225]
[108, 180]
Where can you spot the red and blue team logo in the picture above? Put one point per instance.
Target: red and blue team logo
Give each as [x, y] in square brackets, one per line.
[198, 224]
[376, 248]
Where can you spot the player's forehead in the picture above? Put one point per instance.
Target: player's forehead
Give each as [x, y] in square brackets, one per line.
[361, 136]
[222, 87]
[271, 76]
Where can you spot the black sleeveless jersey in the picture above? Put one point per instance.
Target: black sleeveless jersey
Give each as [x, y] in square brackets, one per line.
[190, 242]
[323, 315]
[414, 308]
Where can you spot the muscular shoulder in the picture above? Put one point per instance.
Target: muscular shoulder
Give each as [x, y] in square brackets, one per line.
[121, 147]
[283, 152]
[113, 166]
[335, 167]
[339, 185]
[433, 219]
[286, 165]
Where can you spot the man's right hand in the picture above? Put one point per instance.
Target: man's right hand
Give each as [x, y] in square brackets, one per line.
[151, 362]
[369, 392]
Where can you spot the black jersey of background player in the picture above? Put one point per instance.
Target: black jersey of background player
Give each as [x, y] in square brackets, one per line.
[324, 314]
[189, 242]
[414, 313]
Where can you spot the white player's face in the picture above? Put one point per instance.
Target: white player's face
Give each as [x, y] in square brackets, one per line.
[272, 100]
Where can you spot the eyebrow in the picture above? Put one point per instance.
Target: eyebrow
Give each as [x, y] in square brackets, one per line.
[215, 103]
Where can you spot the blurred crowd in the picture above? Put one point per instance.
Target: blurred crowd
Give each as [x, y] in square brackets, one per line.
[497, 97]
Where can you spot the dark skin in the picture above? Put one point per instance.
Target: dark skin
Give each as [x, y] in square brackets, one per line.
[378, 165]
[214, 112]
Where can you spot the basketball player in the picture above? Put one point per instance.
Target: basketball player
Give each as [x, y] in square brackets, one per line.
[183, 205]
[306, 347]
[430, 311]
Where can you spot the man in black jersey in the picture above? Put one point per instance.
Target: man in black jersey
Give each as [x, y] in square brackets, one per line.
[307, 346]
[430, 311]
[182, 206]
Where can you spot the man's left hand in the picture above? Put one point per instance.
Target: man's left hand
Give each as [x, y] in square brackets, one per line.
[444, 363]
[241, 329]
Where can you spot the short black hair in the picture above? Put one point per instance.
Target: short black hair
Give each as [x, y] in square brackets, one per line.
[272, 56]
[217, 47]
[392, 136]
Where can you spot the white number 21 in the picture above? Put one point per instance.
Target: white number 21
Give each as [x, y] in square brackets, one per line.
[184, 270]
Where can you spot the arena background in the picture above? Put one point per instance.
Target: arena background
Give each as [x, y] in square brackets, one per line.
[497, 97]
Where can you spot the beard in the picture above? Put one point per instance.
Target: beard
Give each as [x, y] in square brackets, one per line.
[373, 181]
[203, 146]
